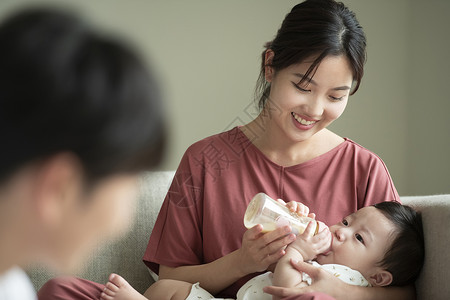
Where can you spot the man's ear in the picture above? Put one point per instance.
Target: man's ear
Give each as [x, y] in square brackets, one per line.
[381, 278]
[58, 182]
[268, 69]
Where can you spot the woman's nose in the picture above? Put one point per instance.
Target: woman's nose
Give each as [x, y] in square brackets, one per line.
[315, 107]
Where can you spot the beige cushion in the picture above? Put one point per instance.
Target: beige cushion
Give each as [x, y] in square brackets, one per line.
[433, 282]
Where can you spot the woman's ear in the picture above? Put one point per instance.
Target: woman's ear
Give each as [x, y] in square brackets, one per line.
[268, 69]
[381, 278]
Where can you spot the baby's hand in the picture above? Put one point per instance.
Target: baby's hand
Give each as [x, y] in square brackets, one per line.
[310, 246]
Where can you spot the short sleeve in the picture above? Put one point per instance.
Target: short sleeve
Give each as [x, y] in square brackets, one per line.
[379, 185]
[176, 238]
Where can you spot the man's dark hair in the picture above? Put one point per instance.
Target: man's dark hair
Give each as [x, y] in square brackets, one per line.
[405, 256]
[66, 88]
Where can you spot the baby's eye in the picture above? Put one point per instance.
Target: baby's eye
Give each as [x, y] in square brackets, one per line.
[344, 221]
[359, 238]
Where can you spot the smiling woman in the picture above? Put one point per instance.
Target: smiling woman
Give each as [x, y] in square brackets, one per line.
[286, 152]
[301, 109]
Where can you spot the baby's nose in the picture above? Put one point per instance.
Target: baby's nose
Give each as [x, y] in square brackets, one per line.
[340, 235]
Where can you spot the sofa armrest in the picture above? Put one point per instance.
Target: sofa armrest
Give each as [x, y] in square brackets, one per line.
[433, 281]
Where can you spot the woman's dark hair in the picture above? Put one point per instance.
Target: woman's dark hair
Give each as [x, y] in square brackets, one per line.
[405, 256]
[315, 29]
[65, 88]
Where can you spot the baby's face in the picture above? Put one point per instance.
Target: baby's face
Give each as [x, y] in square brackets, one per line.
[360, 241]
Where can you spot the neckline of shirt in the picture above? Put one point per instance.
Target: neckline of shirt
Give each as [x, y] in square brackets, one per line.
[300, 165]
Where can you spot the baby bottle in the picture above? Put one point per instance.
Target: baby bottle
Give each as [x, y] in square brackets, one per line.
[272, 214]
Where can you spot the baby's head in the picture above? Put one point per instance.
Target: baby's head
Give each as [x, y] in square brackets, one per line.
[384, 242]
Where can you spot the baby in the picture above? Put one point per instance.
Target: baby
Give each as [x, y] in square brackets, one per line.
[378, 245]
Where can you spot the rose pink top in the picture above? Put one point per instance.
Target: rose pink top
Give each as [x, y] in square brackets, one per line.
[201, 218]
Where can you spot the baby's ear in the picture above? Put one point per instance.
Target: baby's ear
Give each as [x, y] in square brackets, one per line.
[381, 278]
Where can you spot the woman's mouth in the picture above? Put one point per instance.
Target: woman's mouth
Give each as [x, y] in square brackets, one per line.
[301, 120]
[302, 123]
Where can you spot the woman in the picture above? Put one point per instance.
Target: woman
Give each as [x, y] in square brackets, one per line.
[79, 117]
[308, 72]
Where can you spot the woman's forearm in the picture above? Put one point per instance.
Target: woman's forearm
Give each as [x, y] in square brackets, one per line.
[214, 276]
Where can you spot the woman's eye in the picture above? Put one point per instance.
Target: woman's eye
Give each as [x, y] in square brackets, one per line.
[300, 88]
[359, 238]
[345, 222]
[336, 98]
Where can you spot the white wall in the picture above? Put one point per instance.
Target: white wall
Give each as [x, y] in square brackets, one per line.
[207, 55]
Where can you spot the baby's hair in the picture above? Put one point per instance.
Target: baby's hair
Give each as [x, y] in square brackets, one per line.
[405, 256]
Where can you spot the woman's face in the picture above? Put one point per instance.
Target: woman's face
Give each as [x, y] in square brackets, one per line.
[104, 213]
[300, 111]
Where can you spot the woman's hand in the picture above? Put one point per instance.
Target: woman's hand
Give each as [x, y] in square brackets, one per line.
[322, 281]
[260, 250]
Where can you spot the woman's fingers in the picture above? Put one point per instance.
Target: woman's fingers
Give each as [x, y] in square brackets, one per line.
[270, 242]
[279, 244]
[281, 292]
[254, 232]
[276, 234]
[275, 241]
[273, 258]
[305, 267]
[259, 250]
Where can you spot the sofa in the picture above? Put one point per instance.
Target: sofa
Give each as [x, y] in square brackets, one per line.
[124, 256]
